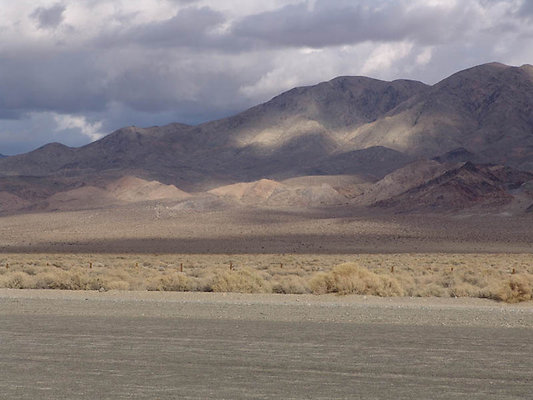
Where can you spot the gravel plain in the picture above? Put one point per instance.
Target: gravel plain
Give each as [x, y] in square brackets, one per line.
[270, 307]
[147, 345]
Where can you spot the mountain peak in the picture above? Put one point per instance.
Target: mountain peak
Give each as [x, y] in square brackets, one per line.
[54, 146]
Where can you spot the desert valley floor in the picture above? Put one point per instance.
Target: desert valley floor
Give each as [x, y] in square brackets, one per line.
[111, 343]
[155, 228]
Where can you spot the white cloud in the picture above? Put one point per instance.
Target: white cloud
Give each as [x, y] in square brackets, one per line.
[424, 56]
[90, 129]
[385, 55]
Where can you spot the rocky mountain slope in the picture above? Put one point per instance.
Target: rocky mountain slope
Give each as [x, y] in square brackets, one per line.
[357, 127]
[462, 187]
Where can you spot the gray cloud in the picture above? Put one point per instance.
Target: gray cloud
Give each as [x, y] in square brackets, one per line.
[198, 28]
[121, 65]
[190, 27]
[65, 82]
[332, 23]
[50, 17]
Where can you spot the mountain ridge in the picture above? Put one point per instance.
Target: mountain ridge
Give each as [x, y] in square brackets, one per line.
[349, 125]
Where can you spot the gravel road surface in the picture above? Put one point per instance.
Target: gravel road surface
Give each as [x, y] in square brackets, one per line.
[143, 345]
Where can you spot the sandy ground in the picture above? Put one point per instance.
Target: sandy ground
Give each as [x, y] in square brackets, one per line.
[156, 228]
[119, 345]
[272, 307]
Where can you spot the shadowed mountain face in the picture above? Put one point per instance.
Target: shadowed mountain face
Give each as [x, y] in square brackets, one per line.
[352, 126]
[464, 186]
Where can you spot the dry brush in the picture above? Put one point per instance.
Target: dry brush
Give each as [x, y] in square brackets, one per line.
[505, 277]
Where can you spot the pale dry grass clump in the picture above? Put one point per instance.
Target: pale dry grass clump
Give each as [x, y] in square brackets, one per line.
[290, 284]
[174, 281]
[61, 280]
[245, 280]
[501, 277]
[513, 290]
[353, 279]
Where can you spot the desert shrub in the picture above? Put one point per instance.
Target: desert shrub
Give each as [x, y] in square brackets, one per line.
[290, 284]
[513, 290]
[175, 281]
[353, 279]
[30, 270]
[430, 290]
[84, 281]
[116, 285]
[464, 289]
[16, 280]
[63, 280]
[322, 283]
[245, 280]
[47, 280]
[407, 282]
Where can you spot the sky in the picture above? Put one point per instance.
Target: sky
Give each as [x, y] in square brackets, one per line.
[73, 71]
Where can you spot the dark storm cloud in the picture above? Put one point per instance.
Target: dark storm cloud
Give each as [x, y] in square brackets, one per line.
[66, 82]
[526, 8]
[50, 17]
[331, 23]
[192, 27]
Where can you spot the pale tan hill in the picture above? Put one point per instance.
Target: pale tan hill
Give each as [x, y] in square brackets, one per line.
[349, 186]
[333, 180]
[311, 196]
[266, 192]
[133, 189]
[129, 189]
[248, 192]
[201, 203]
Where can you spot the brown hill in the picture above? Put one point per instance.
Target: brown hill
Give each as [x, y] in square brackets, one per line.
[401, 180]
[9, 202]
[465, 186]
[129, 189]
[83, 198]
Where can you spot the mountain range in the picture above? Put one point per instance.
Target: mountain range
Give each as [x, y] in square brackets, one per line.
[465, 143]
